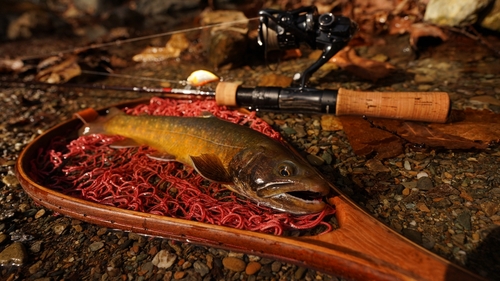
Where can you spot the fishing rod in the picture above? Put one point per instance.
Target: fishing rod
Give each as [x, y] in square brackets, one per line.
[416, 106]
[280, 30]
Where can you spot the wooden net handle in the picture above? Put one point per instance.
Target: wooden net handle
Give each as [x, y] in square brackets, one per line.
[419, 106]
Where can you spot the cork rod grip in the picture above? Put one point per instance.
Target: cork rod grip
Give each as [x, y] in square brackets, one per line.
[417, 106]
[225, 93]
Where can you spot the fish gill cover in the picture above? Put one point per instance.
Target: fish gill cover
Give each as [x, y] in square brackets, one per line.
[87, 168]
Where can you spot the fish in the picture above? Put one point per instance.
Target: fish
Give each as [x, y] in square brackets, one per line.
[241, 159]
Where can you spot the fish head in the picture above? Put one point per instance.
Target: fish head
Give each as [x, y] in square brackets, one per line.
[279, 179]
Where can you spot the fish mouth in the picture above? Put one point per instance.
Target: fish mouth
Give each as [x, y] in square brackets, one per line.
[304, 193]
[298, 202]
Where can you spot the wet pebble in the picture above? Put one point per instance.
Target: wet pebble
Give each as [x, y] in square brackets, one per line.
[315, 160]
[201, 268]
[5, 214]
[10, 180]
[490, 208]
[463, 219]
[39, 213]
[36, 246]
[179, 275]
[299, 273]
[234, 264]
[59, 228]
[164, 259]
[96, 246]
[276, 266]
[252, 268]
[424, 183]
[14, 254]
[407, 165]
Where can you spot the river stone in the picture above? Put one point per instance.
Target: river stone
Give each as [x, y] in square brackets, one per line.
[424, 183]
[234, 264]
[96, 246]
[276, 266]
[463, 219]
[252, 268]
[201, 268]
[164, 259]
[454, 12]
[15, 254]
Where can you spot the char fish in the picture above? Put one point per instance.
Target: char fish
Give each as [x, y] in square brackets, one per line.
[244, 160]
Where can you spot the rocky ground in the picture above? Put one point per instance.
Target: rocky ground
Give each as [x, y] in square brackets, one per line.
[445, 200]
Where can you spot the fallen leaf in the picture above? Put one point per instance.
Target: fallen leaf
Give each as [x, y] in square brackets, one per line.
[61, 72]
[291, 54]
[173, 49]
[9, 65]
[365, 139]
[116, 61]
[275, 80]
[373, 6]
[485, 99]
[400, 25]
[331, 123]
[419, 30]
[385, 137]
[376, 166]
[373, 70]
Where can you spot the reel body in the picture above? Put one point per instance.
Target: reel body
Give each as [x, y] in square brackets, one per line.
[281, 30]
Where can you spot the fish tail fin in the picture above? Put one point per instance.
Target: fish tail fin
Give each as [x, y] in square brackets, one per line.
[94, 124]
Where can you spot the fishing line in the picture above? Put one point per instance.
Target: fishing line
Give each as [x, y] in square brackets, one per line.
[126, 41]
[143, 78]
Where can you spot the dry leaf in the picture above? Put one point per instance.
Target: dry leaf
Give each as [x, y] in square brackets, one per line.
[373, 6]
[365, 139]
[400, 25]
[173, 49]
[477, 130]
[61, 72]
[275, 80]
[373, 70]
[8, 65]
[331, 123]
[425, 30]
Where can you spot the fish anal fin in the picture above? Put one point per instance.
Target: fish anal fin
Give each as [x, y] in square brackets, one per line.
[211, 167]
[160, 156]
[125, 143]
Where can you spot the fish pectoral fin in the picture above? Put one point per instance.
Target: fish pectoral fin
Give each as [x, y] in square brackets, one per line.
[160, 156]
[125, 143]
[211, 167]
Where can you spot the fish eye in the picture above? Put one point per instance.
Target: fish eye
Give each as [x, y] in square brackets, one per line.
[286, 169]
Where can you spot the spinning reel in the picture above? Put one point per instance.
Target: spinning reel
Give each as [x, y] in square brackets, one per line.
[279, 30]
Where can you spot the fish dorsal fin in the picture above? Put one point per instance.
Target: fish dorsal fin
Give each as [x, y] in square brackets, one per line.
[125, 143]
[211, 167]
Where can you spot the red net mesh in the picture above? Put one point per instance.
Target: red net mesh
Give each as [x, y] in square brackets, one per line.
[89, 169]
